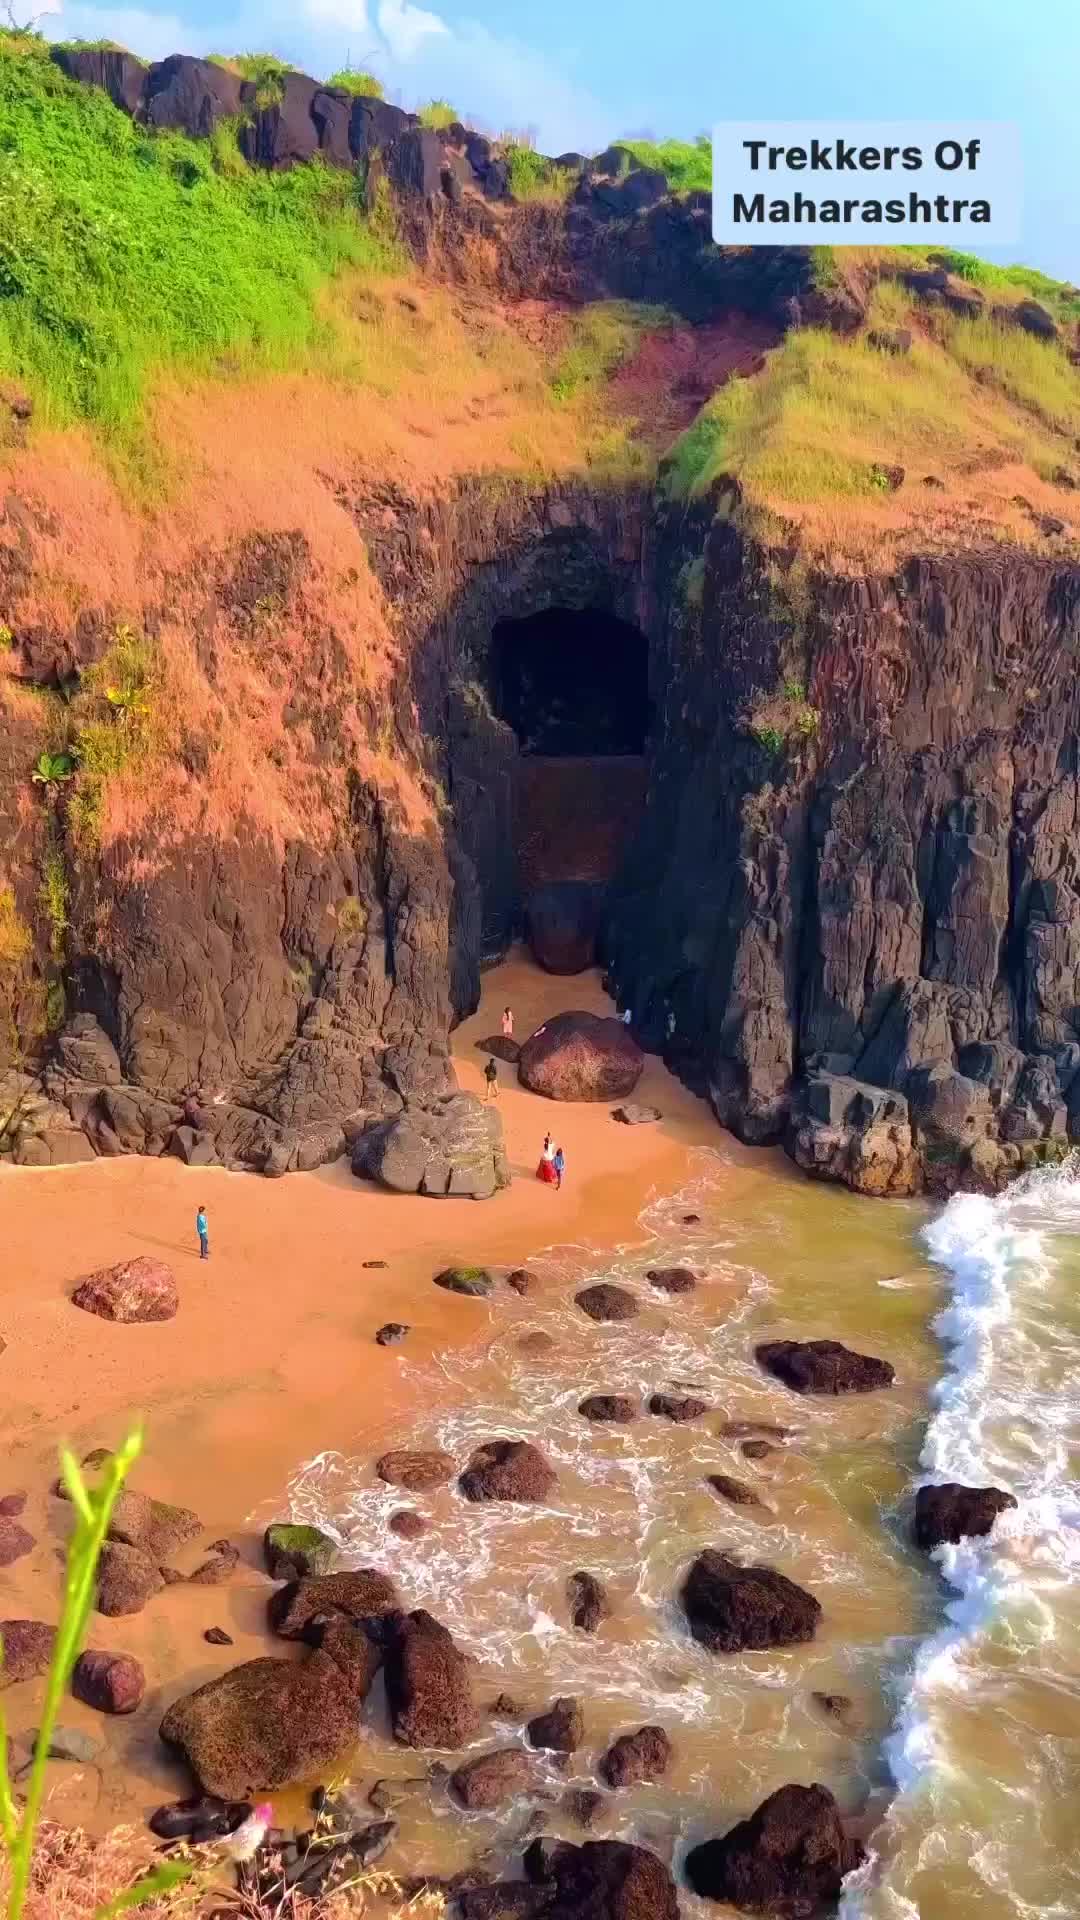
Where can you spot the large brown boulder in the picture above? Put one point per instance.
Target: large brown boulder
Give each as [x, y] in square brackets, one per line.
[415, 1470]
[580, 1056]
[561, 1729]
[588, 1601]
[950, 1513]
[507, 1470]
[823, 1366]
[484, 1783]
[603, 1880]
[562, 923]
[605, 1301]
[634, 1757]
[139, 1289]
[446, 1147]
[268, 1724]
[357, 1595]
[154, 1526]
[296, 1552]
[788, 1858]
[730, 1607]
[428, 1684]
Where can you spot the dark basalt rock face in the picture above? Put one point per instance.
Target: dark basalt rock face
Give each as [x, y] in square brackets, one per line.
[562, 925]
[789, 1858]
[951, 1512]
[730, 1607]
[823, 1366]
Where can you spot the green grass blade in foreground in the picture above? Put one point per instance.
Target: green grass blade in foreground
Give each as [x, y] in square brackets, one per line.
[93, 1512]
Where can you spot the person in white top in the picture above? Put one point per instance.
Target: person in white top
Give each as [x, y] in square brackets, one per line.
[508, 1023]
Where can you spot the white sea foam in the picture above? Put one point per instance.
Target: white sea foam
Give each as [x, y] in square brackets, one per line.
[1004, 1411]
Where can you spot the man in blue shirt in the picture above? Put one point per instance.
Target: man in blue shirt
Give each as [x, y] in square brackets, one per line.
[203, 1231]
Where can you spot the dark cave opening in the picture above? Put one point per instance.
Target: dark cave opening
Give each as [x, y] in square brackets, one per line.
[572, 683]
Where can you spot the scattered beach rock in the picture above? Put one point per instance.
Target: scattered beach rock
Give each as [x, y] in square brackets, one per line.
[837, 1707]
[507, 1470]
[603, 1880]
[672, 1279]
[730, 1607]
[751, 1429]
[133, 1290]
[581, 1056]
[582, 1805]
[28, 1646]
[632, 1115]
[407, 1524]
[691, 1219]
[428, 1684]
[269, 1723]
[203, 1817]
[502, 1047]
[823, 1366]
[222, 1563]
[951, 1512]
[392, 1333]
[415, 1471]
[561, 1729]
[486, 1782]
[12, 1505]
[68, 1743]
[735, 1491]
[606, 1302]
[111, 1682]
[126, 1579]
[505, 1707]
[295, 1552]
[617, 1408]
[679, 1408]
[452, 1146]
[588, 1601]
[15, 1542]
[155, 1527]
[217, 1637]
[788, 1858]
[474, 1281]
[357, 1595]
[536, 1342]
[374, 1266]
[390, 1795]
[757, 1449]
[521, 1280]
[634, 1757]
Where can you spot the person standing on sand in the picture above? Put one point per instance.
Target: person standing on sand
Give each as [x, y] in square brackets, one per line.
[508, 1023]
[491, 1075]
[546, 1170]
[560, 1168]
[202, 1228]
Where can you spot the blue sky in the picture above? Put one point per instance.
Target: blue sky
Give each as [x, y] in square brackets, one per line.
[580, 72]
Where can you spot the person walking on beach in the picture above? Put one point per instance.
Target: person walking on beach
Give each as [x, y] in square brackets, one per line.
[627, 1016]
[560, 1168]
[491, 1075]
[202, 1228]
[508, 1023]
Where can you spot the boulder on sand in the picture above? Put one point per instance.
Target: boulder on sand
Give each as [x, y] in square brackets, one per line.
[28, 1646]
[452, 1146]
[503, 1048]
[606, 1302]
[428, 1684]
[633, 1115]
[634, 1757]
[154, 1526]
[484, 1783]
[111, 1682]
[561, 1729]
[788, 1858]
[580, 1056]
[296, 1552]
[270, 1723]
[951, 1512]
[475, 1282]
[507, 1470]
[126, 1579]
[15, 1542]
[357, 1595]
[562, 923]
[823, 1366]
[731, 1608]
[609, 1408]
[414, 1469]
[139, 1289]
[588, 1602]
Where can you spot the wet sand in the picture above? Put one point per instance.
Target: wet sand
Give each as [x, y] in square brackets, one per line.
[272, 1356]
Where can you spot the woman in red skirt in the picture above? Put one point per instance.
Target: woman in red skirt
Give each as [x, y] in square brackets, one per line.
[546, 1170]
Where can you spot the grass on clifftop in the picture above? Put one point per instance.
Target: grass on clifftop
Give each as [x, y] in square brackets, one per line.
[122, 252]
[687, 165]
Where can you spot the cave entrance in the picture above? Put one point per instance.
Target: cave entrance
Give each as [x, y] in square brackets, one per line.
[573, 685]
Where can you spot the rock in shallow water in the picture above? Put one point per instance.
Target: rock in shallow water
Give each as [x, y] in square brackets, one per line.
[475, 1282]
[561, 1729]
[392, 1334]
[609, 1408]
[672, 1279]
[951, 1513]
[428, 1684]
[293, 1552]
[358, 1594]
[605, 1301]
[636, 1757]
[678, 1408]
[734, 1491]
[486, 1782]
[507, 1470]
[731, 1608]
[789, 1858]
[588, 1601]
[414, 1469]
[823, 1366]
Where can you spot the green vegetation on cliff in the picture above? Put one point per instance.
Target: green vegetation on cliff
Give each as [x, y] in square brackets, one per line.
[687, 165]
[122, 251]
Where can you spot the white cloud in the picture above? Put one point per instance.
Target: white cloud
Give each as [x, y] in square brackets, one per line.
[350, 14]
[150, 35]
[405, 27]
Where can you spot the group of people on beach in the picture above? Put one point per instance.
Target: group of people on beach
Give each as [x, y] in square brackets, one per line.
[552, 1159]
